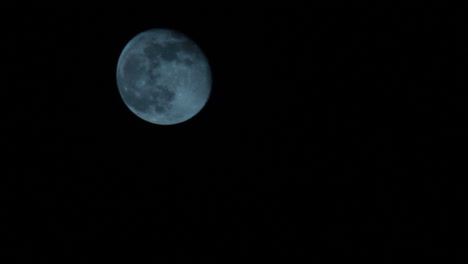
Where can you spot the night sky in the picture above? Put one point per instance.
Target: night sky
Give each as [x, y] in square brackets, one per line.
[330, 134]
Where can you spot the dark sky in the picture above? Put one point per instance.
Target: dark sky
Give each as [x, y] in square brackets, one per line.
[329, 134]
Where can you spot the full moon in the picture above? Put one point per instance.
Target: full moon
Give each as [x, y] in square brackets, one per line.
[163, 77]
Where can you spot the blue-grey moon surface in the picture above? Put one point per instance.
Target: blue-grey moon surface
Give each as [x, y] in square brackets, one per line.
[163, 76]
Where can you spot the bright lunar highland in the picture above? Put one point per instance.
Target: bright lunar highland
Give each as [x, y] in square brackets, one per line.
[163, 77]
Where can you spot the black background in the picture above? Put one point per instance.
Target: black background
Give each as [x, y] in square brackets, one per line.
[329, 134]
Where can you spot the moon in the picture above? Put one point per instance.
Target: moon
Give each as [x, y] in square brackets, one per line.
[163, 77]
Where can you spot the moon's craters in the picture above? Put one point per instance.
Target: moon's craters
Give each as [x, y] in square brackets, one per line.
[183, 51]
[163, 77]
[134, 67]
